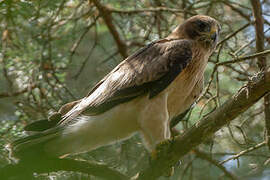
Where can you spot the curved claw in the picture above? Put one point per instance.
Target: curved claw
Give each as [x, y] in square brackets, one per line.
[162, 149]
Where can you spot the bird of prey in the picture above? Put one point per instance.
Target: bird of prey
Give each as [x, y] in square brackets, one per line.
[142, 94]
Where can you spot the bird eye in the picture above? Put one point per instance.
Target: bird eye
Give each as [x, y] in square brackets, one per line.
[202, 25]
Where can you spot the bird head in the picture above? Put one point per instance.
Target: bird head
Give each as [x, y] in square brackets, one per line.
[203, 29]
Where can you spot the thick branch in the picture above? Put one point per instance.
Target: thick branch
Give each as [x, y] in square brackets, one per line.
[240, 102]
[257, 11]
[261, 60]
[106, 15]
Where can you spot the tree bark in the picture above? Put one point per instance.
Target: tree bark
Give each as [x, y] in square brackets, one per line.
[261, 61]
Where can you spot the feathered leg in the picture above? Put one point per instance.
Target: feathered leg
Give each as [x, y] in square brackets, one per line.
[154, 122]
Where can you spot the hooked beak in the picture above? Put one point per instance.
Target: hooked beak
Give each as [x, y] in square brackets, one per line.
[213, 33]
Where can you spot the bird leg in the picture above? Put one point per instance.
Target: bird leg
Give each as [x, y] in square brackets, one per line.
[154, 122]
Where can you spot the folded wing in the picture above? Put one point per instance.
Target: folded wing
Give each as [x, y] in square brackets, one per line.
[148, 71]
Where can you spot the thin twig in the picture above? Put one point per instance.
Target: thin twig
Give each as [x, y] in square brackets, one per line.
[206, 157]
[243, 58]
[88, 56]
[144, 10]
[234, 33]
[244, 152]
[78, 42]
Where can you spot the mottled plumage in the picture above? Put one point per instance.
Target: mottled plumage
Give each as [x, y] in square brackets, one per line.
[142, 94]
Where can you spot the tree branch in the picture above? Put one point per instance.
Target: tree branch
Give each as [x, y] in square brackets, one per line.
[241, 101]
[237, 104]
[261, 60]
[257, 12]
[144, 10]
[257, 146]
[243, 58]
[234, 33]
[106, 15]
[241, 13]
[208, 158]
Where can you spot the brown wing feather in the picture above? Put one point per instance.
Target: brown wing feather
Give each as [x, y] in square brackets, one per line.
[150, 70]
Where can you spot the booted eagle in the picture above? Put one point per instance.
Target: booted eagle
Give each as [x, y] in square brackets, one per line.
[142, 94]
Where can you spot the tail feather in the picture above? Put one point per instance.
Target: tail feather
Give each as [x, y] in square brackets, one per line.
[69, 138]
[44, 124]
[32, 145]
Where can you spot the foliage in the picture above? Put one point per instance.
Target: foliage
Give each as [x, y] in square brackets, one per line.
[53, 52]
